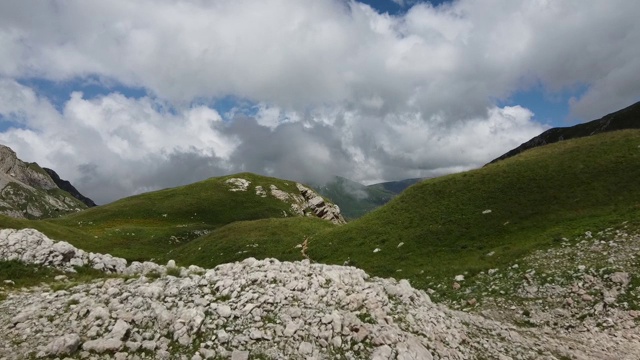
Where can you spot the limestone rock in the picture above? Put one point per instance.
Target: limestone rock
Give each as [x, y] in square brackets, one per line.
[63, 345]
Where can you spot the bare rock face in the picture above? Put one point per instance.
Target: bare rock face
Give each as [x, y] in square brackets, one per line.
[27, 190]
[309, 203]
[320, 207]
[22, 172]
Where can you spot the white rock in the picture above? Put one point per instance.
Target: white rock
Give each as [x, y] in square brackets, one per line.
[291, 328]
[383, 352]
[305, 348]
[102, 345]
[119, 330]
[238, 184]
[224, 311]
[63, 345]
[239, 355]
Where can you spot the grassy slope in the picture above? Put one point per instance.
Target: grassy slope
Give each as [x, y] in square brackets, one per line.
[535, 199]
[259, 239]
[136, 228]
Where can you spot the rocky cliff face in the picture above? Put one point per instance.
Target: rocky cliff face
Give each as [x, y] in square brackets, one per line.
[27, 191]
[259, 309]
[627, 118]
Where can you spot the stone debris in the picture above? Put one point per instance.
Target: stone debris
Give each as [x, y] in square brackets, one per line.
[264, 309]
[586, 287]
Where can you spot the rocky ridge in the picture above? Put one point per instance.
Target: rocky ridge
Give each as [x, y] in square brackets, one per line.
[255, 309]
[305, 203]
[27, 191]
[68, 187]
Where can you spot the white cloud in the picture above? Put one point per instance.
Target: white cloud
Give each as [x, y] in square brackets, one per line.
[113, 146]
[114, 136]
[339, 88]
[315, 52]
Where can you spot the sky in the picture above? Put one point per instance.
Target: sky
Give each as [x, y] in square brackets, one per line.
[122, 97]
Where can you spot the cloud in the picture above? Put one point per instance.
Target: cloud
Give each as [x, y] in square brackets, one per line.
[301, 54]
[334, 87]
[113, 146]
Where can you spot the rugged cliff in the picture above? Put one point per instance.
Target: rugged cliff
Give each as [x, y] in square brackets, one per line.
[27, 190]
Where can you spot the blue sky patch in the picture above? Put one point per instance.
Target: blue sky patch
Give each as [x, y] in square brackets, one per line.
[393, 8]
[59, 92]
[550, 108]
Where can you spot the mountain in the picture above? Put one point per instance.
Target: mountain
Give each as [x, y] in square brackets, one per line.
[156, 224]
[395, 187]
[66, 186]
[355, 199]
[28, 191]
[627, 118]
[446, 226]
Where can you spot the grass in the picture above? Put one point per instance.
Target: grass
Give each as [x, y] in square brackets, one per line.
[260, 239]
[154, 225]
[26, 275]
[431, 232]
[555, 191]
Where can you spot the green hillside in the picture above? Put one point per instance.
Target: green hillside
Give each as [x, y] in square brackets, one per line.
[265, 238]
[458, 224]
[443, 227]
[153, 225]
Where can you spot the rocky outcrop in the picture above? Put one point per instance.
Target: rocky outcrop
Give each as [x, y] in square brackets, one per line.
[66, 186]
[627, 118]
[27, 191]
[304, 203]
[319, 207]
[265, 309]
